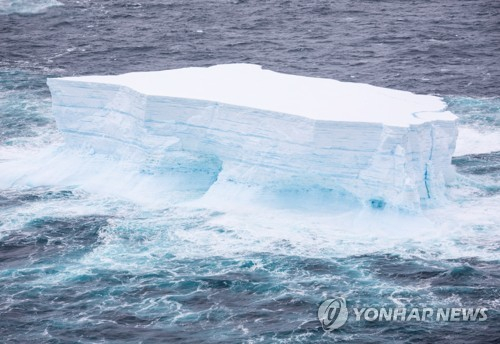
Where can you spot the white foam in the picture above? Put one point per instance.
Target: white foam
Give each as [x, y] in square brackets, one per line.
[316, 98]
[475, 141]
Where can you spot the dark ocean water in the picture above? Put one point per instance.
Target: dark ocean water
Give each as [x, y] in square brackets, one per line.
[77, 267]
[440, 47]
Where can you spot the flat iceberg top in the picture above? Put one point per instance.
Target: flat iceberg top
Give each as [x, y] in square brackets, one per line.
[251, 86]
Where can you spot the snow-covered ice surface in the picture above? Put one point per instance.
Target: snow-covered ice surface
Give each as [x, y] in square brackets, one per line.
[249, 85]
[257, 134]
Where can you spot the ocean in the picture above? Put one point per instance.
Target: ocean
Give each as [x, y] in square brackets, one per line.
[81, 267]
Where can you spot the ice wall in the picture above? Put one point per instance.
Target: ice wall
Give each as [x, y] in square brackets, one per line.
[248, 128]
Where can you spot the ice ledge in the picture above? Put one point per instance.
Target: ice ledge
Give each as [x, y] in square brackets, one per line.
[251, 86]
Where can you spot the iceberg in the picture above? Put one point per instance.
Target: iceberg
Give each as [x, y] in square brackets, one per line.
[241, 127]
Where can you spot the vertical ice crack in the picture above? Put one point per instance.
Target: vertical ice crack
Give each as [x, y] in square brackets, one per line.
[426, 173]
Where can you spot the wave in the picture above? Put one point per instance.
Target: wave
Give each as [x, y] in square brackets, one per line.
[478, 124]
[26, 6]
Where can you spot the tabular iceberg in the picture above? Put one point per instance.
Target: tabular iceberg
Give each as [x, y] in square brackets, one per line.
[247, 127]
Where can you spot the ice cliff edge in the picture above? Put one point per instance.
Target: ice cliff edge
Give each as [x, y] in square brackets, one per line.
[255, 128]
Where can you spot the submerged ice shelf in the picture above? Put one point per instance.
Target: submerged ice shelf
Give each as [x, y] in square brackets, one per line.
[238, 127]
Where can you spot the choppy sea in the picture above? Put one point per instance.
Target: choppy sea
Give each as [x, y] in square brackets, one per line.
[80, 267]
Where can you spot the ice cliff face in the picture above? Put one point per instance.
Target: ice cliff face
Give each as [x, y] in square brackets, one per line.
[287, 138]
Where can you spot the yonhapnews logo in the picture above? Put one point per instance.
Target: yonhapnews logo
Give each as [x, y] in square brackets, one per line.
[333, 314]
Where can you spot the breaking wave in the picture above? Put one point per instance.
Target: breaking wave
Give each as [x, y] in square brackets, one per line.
[26, 6]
